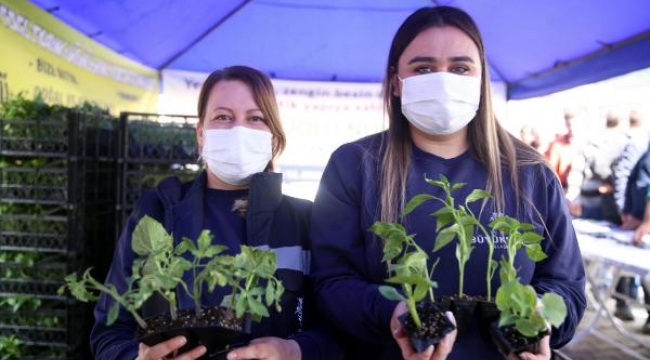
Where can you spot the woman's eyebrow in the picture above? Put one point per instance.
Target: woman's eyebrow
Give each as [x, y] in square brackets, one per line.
[430, 59]
[425, 59]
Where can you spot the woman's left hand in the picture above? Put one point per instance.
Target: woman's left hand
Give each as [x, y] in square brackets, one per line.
[438, 352]
[268, 348]
[544, 352]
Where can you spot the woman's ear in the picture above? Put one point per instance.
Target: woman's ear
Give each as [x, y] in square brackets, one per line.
[395, 85]
[199, 137]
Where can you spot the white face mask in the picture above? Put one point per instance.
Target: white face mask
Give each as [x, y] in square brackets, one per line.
[440, 103]
[234, 155]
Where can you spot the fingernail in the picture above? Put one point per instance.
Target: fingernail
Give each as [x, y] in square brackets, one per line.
[181, 340]
[232, 355]
[430, 349]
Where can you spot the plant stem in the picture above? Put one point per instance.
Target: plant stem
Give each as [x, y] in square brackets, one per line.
[410, 304]
[488, 276]
[462, 251]
[117, 297]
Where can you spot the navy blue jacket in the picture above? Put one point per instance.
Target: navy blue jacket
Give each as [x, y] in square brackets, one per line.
[347, 257]
[273, 221]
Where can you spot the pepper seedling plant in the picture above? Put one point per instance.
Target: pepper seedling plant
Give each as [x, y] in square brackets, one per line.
[457, 222]
[518, 303]
[409, 269]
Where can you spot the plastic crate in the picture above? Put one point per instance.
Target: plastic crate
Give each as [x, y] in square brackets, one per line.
[41, 270]
[140, 177]
[155, 138]
[34, 233]
[38, 137]
[34, 185]
[40, 336]
[152, 148]
[37, 289]
[79, 134]
[47, 325]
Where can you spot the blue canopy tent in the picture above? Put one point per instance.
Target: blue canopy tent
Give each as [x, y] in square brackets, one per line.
[535, 47]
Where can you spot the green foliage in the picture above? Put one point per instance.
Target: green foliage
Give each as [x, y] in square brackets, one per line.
[20, 107]
[519, 307]
[16, 302]
[407, 266]
[519, 235]
[518, 303]
[249, 267]
[11, 347]
[456, 222]
[160, 266]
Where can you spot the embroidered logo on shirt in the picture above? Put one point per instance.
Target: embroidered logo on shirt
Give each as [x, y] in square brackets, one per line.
[298, 313]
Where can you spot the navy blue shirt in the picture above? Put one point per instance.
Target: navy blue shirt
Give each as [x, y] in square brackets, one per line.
[347, 257]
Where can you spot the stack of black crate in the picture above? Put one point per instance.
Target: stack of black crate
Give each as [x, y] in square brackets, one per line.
[153, 147]
[57, 215]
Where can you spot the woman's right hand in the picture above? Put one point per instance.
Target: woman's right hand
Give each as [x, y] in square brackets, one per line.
[169, 350]
[438, 352]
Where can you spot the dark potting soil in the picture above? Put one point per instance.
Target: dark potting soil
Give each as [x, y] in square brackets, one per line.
[434, 322]
[518, 342]
[212, 316]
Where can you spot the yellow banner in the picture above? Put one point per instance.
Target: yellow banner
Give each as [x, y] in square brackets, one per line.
[41, 55]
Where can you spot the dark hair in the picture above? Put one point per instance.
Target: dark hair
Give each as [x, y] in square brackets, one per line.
[263, 94]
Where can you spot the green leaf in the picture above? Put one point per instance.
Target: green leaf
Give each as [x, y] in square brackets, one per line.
[505, 320]
[185, 245]
[385, 229]
[535, 252]
[204, 240]
[391, 293]
[257, 307]
[457, 186]
[445, 236]
[444, 183]
[554, 309]
[477, 194]
[404, 279]
[500, 224]
[149, 235]
[416, 201]
[526, 226]
[240, 306]
[526, 327]
[531, 237]
[112, 314]
[422, 287]
[444, 216]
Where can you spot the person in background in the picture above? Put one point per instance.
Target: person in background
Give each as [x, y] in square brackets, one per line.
[590, 181]
[238, 198]
[529, 136]
[636, 211]
[636, 145]
[560, 151]
[441, 122]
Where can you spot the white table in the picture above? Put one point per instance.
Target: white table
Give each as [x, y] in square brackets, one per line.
[603, 252]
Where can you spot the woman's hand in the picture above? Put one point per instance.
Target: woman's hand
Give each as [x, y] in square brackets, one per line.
[438, 352]
[169, 350]
[544, 352]
[268, 348]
